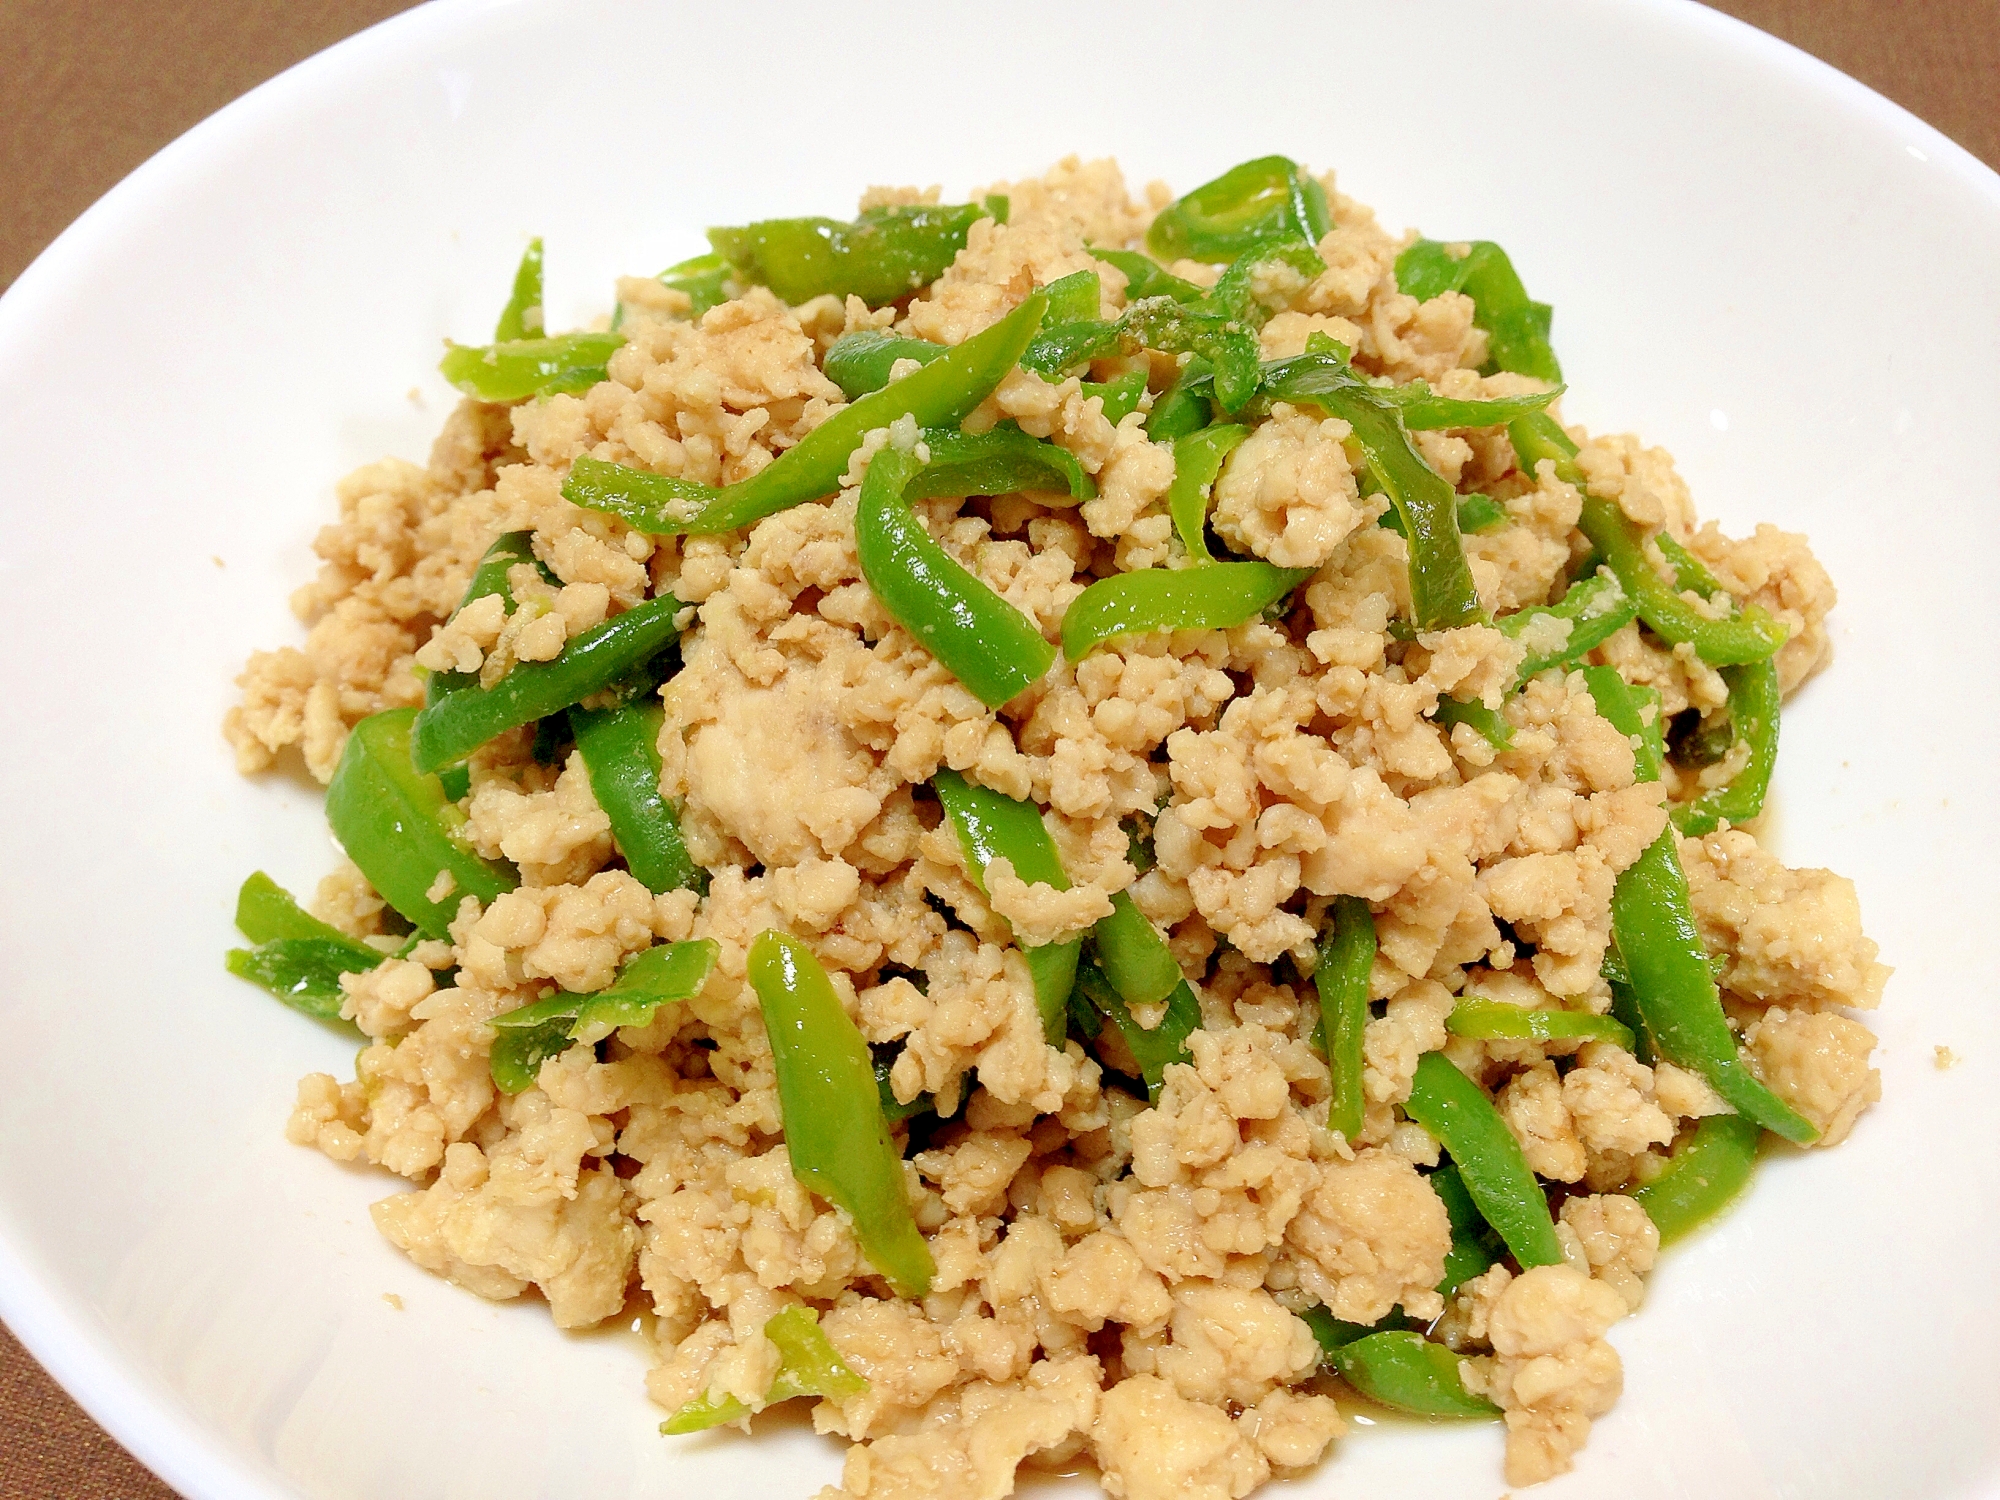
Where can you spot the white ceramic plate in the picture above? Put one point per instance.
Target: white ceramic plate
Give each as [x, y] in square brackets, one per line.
[1754, 261]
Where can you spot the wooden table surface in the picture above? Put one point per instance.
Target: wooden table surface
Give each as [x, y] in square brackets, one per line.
[89, 90]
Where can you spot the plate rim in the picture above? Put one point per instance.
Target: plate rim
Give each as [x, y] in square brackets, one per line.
[134, 1408]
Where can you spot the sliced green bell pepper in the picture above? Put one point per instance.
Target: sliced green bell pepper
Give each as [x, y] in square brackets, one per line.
[396, 825]
[941, 394]
[1153, 1050]
[1485, 1020]
[1133, 956]
[298, 958]
[1749, 636]
[526, 1038]
[1197, 462]
[1267, 198]
[993, 826]
[1517, 328]
[1186, 407]
[834, 1129]
[884, 255]
[1404, 1370]
[1754, 698]
[519, 368]
[705, 279]
[1704, 1176]
[1346, 955]
[451, 729]
[999, 462]
[808, 1365]
[985, 642]
[1652, 921]
[521, 318]
[1489, 1160]
[1474, 1246]
[860, 362]
[620, 746]
[1594, 608]
[1441, 589]
[1215, 596]
[1145, 277]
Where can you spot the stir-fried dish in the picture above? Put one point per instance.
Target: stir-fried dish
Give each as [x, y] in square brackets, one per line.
[1074, 825]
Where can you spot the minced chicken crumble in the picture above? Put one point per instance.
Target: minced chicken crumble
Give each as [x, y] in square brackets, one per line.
[1115, 1281]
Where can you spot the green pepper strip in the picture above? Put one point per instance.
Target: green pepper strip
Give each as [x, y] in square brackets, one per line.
[519, 368]
[521, 318]
[490, 577]
[1064, 347]
[1490, 723]
[990, 826]
[1754, 699]
[1625, 1006]
[1703, 1177]
[1485, 1020]
[1185, 408]
[1690, 572]
[1346, 955]
[839, 1142]
[452, 729]
[883, 255]
[1474, 1247]
[895, 1110]
[1227, 344]
[266, 913]
[1734, 641]
[1517, 329]
[1121, 396]
[1075, 298]
[1456, 1110]
[999, 462]
[1153, 1050]
[524, 1039]
[1425, 412]
[302, 972]
[941, 394]
[1144, 276]
[1753, 714]
[1476, 513]
[962, 463]
[1596, 609]
[1215, 596]
[1197, 461]
[1256, 200]
[1332, 1333]
[1234, 294]
[395, 824]
[705, 279]
[1134, 957]
[861, 361]
[298, 958]
[620, 746]
[986, 643]
[808, 1365]
[1652, 921]
[1404, 1370]
[1441, 590]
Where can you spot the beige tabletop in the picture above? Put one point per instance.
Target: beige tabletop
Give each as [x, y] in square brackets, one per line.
[90, 88]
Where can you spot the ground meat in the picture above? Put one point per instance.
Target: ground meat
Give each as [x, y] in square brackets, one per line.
[1817, 1062]
[1120, 1269]
[1287, 493]
[1553, 1373]
[1789, 937]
